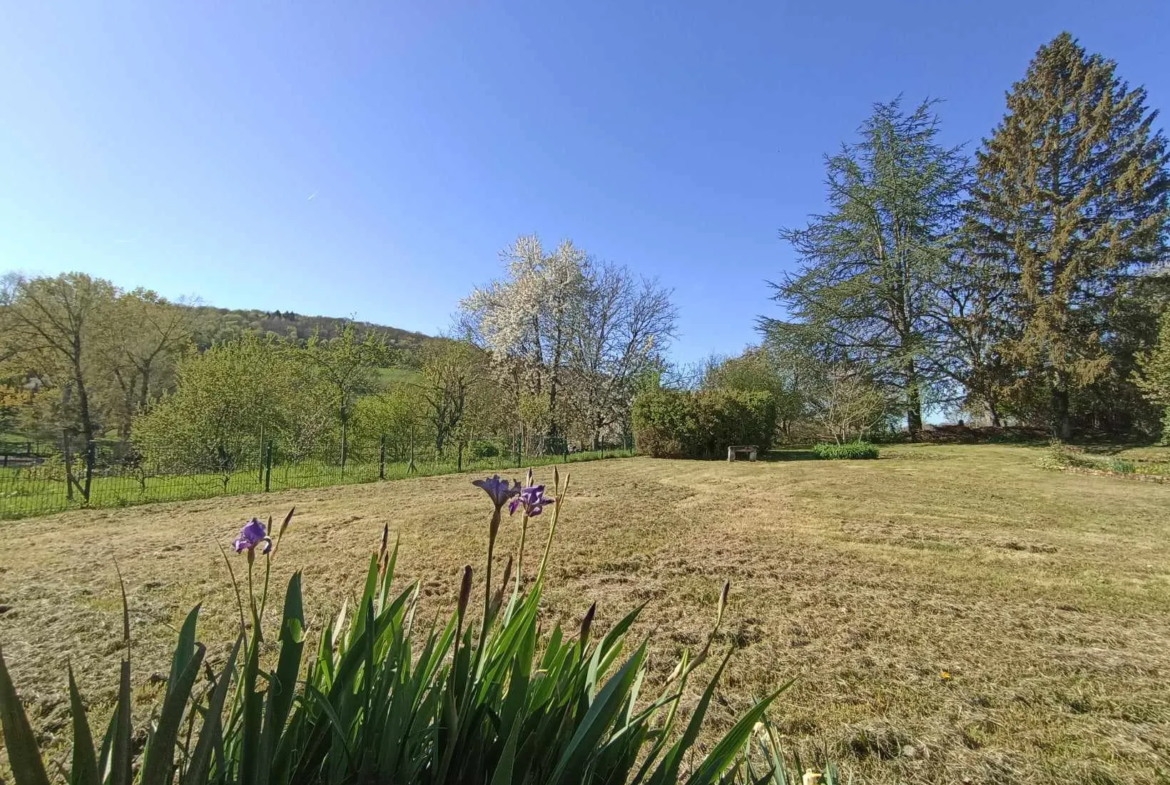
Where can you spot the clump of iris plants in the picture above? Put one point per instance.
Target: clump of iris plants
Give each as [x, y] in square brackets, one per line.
[381, 698]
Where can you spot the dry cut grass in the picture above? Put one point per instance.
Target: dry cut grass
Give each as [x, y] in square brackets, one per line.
[951, 613]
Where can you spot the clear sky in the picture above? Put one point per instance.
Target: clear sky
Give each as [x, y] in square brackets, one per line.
[370, 159]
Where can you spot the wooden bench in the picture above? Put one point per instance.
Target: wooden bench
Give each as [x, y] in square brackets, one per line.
[734, 451]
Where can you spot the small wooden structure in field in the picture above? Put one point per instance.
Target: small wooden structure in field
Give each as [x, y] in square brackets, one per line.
[735, 450]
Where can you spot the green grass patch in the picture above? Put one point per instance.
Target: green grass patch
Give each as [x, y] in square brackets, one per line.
[30, 491]
[849, 451]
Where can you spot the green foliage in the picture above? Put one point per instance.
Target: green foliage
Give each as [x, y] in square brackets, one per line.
[1154, 375]
[229, 402]
[759, 370]
[851, 451]
[1070, 203]
[1064, 456]
[871, 268]
[488, 700]
[681, 424]
[481, 448]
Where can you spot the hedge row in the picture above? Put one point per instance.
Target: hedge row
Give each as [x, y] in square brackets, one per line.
[679, 424]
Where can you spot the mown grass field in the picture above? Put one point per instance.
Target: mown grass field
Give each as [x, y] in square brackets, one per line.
[24, 492]
[951, 613]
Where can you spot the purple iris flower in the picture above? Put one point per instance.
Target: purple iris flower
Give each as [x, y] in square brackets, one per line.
[498, 489]
[251, 535]
[532, 499]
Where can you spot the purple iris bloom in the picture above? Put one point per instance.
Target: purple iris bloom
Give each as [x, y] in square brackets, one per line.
[251, 535]
[532, 499]
[498, 489]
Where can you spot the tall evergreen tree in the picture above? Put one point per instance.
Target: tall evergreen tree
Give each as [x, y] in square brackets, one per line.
[1154, 375]
[870, 267]
[1070, 202]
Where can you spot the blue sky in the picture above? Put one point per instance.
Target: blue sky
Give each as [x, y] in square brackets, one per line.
[370, 159]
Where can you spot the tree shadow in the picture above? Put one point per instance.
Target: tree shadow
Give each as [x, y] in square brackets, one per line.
[792, 454]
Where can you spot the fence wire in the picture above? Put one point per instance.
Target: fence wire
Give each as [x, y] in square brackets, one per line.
[38, 479]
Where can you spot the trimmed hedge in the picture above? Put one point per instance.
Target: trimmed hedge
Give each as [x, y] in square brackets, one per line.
[679, 424]
[849, 451]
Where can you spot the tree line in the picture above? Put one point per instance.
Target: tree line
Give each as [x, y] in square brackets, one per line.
[552, 353]
[1022, 286]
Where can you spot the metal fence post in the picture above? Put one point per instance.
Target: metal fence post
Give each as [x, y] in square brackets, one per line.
[268, 468]
[565, 447]
[90, 456]
[382, 458]
[410, 467]
[519, 447]
[459, 464]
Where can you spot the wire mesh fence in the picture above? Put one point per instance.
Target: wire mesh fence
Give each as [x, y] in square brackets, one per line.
[38, 479]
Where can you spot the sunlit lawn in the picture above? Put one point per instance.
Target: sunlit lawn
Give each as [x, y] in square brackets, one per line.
[952, 614]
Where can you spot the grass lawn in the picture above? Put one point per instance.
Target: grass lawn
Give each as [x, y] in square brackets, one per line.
[24, 492]
[951, 613]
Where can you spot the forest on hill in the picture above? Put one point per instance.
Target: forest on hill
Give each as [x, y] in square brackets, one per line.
[217, 325]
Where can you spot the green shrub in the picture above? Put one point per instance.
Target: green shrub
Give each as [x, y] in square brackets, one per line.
[1121, 466]
[485, 699]
[481, 448]
[679, 424]
[848, 451]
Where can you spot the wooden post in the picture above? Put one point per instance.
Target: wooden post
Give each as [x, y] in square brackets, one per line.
[268, 469]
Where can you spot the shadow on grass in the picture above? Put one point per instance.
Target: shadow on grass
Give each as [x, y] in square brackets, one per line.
[797, 454]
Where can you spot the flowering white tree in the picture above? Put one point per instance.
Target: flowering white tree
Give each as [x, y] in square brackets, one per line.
[564, 328]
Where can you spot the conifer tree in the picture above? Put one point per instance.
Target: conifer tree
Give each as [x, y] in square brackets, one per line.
[871, 266]
[1070, 202]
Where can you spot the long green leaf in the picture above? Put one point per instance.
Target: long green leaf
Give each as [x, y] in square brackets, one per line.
[292, 645]
[119, 734]
[23, 754]
[503, 772]
[185, 648]
[121, 730]
[200, 763]
[160, 754]
[598, 719]
[667, 771]
[725, 752]
[85, 768]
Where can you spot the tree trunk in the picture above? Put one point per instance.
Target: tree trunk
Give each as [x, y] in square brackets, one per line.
[913, 402]
[993, 414]
[1061, 425]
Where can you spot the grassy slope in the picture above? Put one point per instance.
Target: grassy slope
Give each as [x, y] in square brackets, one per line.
[1044, 595]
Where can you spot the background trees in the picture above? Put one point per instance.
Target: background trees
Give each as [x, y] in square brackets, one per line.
[1018, 290]
[1022, 289]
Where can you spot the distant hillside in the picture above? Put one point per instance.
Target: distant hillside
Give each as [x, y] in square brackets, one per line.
[214, 325]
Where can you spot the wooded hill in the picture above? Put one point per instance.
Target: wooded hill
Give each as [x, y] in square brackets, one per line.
[216, 325]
